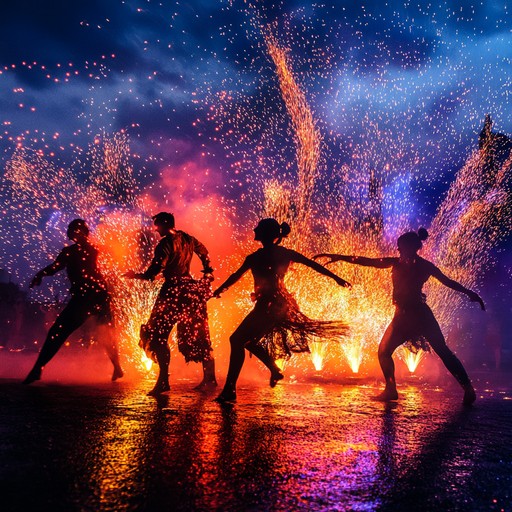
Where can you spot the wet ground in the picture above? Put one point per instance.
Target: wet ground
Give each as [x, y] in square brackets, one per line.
[311, 446]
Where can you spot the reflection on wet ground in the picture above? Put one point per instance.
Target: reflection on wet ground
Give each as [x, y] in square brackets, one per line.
[311, 446]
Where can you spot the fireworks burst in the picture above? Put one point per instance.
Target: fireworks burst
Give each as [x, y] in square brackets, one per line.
[339, 122]
[359, 199]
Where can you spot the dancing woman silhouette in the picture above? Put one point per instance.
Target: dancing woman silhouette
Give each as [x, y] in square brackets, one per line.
[266, 330]
[413, 320]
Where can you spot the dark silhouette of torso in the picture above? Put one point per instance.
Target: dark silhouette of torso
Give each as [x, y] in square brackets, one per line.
[173, 255]
[81, 263]
[269, 266]
[408, 279]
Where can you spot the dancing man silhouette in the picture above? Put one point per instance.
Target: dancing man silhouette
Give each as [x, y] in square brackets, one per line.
[89, 298]
[181, 300]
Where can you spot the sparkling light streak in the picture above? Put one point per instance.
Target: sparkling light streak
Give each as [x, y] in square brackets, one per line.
[343, 122]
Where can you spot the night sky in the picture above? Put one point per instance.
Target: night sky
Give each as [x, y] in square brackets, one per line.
[395, 86]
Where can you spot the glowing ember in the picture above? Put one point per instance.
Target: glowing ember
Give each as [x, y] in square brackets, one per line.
[322, 154]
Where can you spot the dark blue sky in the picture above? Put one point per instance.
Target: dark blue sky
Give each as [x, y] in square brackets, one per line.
[188, 79]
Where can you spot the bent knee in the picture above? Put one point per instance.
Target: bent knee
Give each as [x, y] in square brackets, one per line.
[385, 351]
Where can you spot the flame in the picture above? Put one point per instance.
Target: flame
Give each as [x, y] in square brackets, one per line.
[318, 353]
[338, 210]
[354, 355]
[147, 362]
[281, 363]
[410, 358]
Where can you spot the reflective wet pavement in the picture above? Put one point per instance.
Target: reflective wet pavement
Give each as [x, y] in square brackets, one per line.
[309, 446]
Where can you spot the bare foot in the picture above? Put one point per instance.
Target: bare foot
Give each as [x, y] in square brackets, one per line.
[275, 378]
[118, 373]
[206, 385]
[388, 395]
[469, 396]
[160, 387]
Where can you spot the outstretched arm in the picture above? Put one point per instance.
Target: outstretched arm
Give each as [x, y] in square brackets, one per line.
[202, 253]
[454, 285]
[232, 279]
[299, 258]
[154, 267]
[50, 270]
[358, 260]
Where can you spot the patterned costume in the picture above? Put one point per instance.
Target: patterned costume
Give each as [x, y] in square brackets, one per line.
[181, 300]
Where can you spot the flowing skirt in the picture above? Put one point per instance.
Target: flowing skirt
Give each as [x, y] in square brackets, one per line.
[415, 323]
[290, 330]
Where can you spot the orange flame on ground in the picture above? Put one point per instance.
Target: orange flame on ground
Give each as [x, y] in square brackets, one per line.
[318, 353]
[411, 359]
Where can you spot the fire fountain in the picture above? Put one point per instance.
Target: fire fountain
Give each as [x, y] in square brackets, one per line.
[340, 212]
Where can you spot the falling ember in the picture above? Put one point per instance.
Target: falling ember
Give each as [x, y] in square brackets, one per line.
[369, 203]
[410, 358]
[306, 133]
[47, 198]
[343, 180]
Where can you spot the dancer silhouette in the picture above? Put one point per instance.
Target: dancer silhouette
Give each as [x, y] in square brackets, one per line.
[181, 300]
[265, 330]
[89, 297]
[413, 320]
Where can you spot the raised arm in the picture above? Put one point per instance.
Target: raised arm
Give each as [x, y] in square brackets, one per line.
[232, 279]
[357, 260]
[299, 258]
[454, 285]
[50, 270]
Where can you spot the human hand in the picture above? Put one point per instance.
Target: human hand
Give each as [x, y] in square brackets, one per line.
[209, 277]
[332, 258]
[474, 297]
[343, 283]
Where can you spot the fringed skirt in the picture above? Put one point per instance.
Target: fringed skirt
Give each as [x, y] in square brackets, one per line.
[290, 330]
[415, 323]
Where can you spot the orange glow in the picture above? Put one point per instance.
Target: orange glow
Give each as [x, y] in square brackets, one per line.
[470, 221]
[411, 359]
[318, 352]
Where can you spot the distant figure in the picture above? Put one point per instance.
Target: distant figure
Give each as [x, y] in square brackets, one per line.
[89, 297]
[265, 330]
[494, 146]
[181, 300]
[413, 321]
